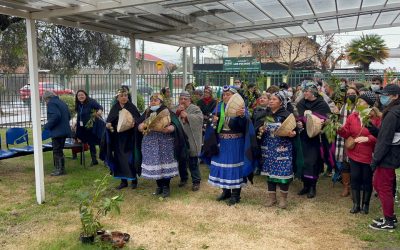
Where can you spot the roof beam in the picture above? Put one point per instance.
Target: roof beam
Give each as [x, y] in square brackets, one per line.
[57, 3]
[260, 9]
[280, 21]
[13, 12]
[236, 11]
[90, 8]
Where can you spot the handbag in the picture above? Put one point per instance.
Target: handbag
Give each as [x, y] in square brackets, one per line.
[349, 143]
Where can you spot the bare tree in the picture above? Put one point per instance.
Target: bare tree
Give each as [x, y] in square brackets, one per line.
[292, 52]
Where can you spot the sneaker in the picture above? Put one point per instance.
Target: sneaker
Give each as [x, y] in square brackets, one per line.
[386, 225]
[381, 220]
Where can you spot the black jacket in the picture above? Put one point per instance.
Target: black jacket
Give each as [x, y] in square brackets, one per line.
[387, 155]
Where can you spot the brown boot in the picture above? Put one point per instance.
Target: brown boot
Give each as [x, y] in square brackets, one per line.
[283, 200]
[271, 199]
[346, 184]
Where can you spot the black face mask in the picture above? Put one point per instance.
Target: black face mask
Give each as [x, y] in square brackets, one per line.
[352, 98]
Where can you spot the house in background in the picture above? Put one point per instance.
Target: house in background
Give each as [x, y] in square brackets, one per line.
[302, 50]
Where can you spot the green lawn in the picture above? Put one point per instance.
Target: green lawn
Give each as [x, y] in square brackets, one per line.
[186, 220]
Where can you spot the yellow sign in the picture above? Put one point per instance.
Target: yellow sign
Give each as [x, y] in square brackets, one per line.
[159, 65]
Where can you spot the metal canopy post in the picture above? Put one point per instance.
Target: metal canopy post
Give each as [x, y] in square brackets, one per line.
[184, 66]
[36, 126]
[191, 60]
[133, 70]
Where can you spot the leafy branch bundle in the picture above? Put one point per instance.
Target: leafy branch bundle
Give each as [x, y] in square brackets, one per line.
[331, 127]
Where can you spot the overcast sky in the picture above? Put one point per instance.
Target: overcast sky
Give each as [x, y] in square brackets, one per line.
[390, 35]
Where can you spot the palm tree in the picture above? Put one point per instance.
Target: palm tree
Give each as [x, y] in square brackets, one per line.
[367, 49]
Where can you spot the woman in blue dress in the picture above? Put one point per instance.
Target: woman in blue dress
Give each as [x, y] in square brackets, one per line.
[277, 151]
[86, 107]
[230, 167]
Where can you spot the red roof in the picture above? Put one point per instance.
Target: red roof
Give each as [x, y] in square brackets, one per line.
[149, 57]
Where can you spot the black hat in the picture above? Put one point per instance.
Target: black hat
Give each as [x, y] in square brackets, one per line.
[390, 89]
[283, 85]
[369, 97]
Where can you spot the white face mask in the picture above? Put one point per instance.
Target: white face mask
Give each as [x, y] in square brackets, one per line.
[375, 87]
[290, 94]
[154, 108]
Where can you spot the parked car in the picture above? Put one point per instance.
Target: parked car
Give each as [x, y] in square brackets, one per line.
[25, 92]
[215, 89]
[141, 86]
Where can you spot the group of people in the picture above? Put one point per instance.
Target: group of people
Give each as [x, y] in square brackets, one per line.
[167, 140]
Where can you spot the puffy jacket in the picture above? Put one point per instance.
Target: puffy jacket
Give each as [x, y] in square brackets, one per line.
[58, 117]
[387, 155]
[362, 152]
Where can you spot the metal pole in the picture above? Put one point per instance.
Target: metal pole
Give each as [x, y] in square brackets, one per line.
[197, 55]
[184, 67]
[36, 126]
[133, 70]
[191, 60]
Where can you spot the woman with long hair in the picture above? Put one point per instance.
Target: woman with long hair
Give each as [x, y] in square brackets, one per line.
[88, 111]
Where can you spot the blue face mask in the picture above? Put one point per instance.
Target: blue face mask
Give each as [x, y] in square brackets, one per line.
[155, 108]
[375, 87]
[385, 100]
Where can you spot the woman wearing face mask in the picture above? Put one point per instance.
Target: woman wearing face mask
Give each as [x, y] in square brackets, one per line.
[121, 156]
[342, 162]
[386, 156]
[360, 156]
[160, 149]
[276, 150]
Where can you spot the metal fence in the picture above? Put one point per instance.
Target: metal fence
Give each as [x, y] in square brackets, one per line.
[264, 79]
[15, 103]
[15, 94]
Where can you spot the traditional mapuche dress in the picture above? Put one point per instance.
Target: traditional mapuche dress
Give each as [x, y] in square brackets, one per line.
[277, 152]
[158, 153]
[228, 169]
[312, 148]
[121, 149]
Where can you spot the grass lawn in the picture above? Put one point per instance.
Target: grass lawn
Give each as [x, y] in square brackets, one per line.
[186, 220]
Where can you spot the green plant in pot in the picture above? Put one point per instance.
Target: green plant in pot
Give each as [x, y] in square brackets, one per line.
[92, 208]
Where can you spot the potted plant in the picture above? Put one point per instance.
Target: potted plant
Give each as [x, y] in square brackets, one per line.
[91, 208]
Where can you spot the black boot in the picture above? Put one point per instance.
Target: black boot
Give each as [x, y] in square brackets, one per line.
[306, 188]
[235, 198]
[123, 184]
[226, 194]
[165, 188]
[313, 191]
[159, 188]
[134, 184]
[94, 161]
[355, 195]
[58, 168]
[365, 202]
